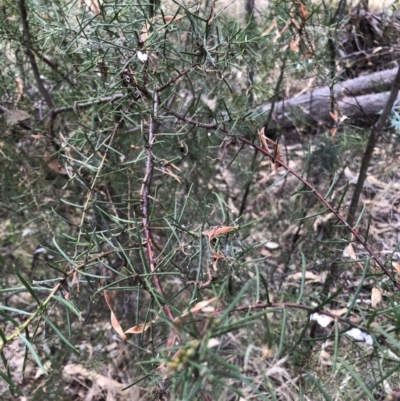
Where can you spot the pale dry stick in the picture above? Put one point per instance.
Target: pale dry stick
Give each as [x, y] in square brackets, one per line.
[145, 195]
[174, 79]
[24, 325]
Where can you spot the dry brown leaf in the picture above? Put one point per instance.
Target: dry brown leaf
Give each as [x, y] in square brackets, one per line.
[350, 251]
[202, 306]
[14, 117]
[263, 139]
[294, 44]
[114, 321]
[102, 381]
[279, 34]
[296, 23]
[318, 278]
[303, 10]
[338, 312]
[20, 87]
[396, 266]
[352, 254]
[264, 252]
[376, 297]
[55, 166]
[216, 232]
[139, 329]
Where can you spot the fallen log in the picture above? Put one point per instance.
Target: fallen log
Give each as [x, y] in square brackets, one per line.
[359, 98]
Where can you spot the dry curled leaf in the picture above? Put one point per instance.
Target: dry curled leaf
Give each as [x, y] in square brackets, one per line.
[396, 266]
[294, 44]
[303, 10]
[203, 306]
[139, 329]
[55, 166]
[216, 232]
[376, 297]
[114, 321]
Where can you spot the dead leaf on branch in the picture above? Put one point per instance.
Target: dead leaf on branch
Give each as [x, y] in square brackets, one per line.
[216, 232]
[114, 321]
[203, 306]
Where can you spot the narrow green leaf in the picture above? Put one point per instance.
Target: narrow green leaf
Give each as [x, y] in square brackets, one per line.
[61, 335]
[33, 352]
[70, 306]
[12, 385]
[26, 285]
[359, 381]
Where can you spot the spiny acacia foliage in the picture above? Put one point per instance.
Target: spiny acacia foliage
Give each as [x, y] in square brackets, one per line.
[150, 249]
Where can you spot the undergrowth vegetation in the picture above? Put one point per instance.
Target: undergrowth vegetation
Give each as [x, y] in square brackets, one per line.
[159, 241]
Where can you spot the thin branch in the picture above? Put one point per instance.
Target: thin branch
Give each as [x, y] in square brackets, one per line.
[87, 104]
[145, 195]
[27, 322]
[190, 121]
[374, 135]
[31, 54]
[174, 79]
